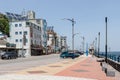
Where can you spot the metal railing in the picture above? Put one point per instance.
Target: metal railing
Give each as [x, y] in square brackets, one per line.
[113, 60]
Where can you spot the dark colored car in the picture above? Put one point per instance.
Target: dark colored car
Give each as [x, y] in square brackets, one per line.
[69, 55]
[81, 53]
[63, 54]
[9, 55]
[73, 55]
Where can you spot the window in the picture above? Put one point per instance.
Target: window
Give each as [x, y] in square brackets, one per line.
[27, 23]
[20, 25]
[16, 33]
[16, 25]
[16, 40]
[20, 32]
[25, 32]
[20, 40]
[26, 40]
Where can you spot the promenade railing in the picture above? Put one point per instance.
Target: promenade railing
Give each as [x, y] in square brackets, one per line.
[113, 60]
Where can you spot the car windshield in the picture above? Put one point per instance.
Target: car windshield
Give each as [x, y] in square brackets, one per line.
[64, 52]
[9, 53]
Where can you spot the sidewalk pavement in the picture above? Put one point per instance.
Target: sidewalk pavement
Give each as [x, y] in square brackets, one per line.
[88, 68]
[39, 77]
[82, 68]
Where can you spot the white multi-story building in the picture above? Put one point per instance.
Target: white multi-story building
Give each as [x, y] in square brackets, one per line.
[42, 23]
[30, 16]
[25, 35]
[21, 20]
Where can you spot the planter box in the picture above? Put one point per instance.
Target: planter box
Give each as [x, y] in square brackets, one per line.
[110, 73]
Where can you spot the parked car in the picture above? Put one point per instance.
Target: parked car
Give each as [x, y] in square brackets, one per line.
[73, 55]
[1, 53]
[69, 55]
[9, 55]
[63, 54]
[81, 53]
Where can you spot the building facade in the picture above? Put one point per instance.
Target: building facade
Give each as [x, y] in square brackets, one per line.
[25, 35]
[53, 40]
[31, 34]
[35, 38]
[63, 42]
[42, 23]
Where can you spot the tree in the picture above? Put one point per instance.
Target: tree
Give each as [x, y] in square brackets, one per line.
[4, 24]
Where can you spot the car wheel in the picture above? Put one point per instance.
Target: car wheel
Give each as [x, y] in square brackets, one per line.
[73, 57]
[15, 57]
[2, 58]
[9, 57]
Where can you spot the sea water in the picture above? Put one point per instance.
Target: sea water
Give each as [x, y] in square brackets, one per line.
[112, 55]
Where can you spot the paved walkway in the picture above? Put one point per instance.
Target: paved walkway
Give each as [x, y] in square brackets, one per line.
[88, 68]
[82, 68]
[39, 77]
[52, 69]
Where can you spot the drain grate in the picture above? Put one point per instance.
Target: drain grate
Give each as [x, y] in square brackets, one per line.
[36, 72]
[55, 66]
[80, 70]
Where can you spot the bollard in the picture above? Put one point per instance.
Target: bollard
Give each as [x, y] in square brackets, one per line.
[114, 58]
[104, 66]
[118, 59]
[101, 64]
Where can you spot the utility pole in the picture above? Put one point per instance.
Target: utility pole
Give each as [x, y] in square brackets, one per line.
[106, 41]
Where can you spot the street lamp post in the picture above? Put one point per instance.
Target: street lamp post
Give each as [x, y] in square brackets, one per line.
[98, 43]
[46, 48]
[55, 42]
[106, 41]
[83, 43]
[73, 22]
[95, 46]
[23, 43]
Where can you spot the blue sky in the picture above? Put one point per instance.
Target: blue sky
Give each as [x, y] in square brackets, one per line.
[88, 14]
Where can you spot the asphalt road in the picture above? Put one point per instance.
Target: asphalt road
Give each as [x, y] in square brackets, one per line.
[13, 65]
